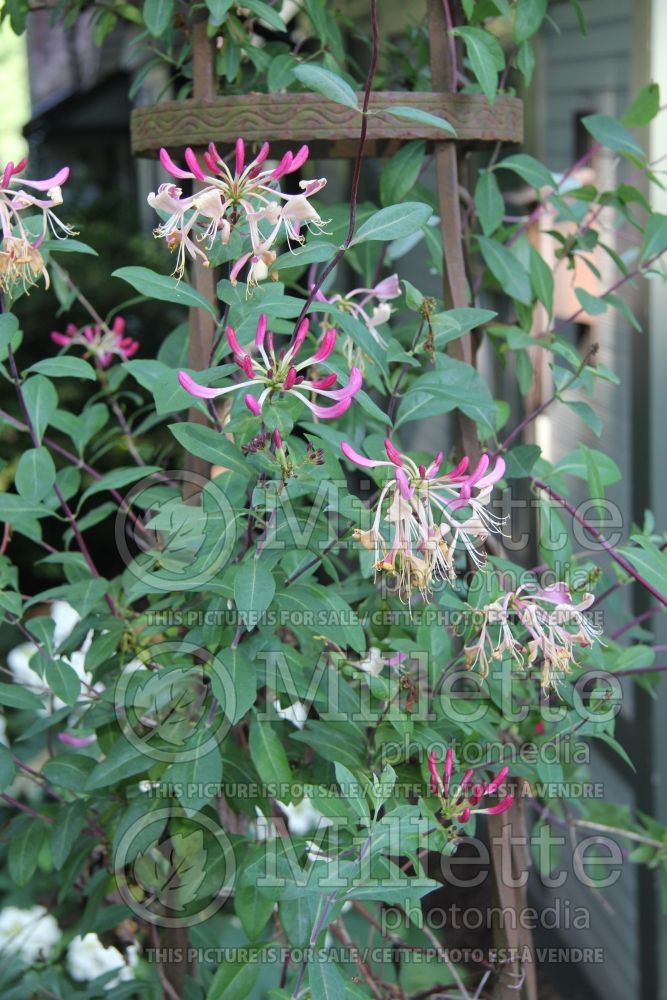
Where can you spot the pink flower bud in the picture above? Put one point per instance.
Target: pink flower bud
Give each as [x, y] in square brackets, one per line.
[393, 454]
[277, 440]
[252, 404]
[447, 773]
[436, 782]
[290, 379]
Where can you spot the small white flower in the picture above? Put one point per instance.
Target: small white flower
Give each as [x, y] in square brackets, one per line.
[303, 817]
[30, 934]
[297, 713]
[373, 664]
[87, 958]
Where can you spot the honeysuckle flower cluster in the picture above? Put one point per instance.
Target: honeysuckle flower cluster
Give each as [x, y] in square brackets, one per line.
[250, 194]
[554, 623]
[459, 800]
[374, 663]
[270, 372]
[101, 342]
[416, 509]
[358, 300]
[21, 262]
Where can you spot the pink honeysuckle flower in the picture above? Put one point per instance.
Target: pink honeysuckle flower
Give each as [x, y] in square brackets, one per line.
[272, 372]
[249, 196]
[21, 262]
[100, 341]
[70, 740]
[554, 623]
[460, 801]
[388, 288]
[416, 509]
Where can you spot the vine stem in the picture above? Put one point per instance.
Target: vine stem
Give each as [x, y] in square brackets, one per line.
[81, 542]
[599, 537]
[356, 170]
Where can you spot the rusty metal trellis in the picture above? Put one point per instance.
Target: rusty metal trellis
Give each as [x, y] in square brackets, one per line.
[332, 131]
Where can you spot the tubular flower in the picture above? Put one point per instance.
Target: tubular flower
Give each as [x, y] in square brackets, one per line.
[21, 262]
[416, 509]
[554, 623]
[383, 291]
[249, 194]
[274, 372]
[459, 800]
[100, 341]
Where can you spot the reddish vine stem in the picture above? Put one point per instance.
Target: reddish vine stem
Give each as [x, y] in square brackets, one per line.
[599, 537]
[356, 170]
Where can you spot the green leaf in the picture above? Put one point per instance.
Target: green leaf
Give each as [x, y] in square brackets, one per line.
[401, 173]
[520, 460]
[199, 777]
[162, 382]
[575, 464]
[591, 303]
[587, 414]
[68, 771]
[10, 335]
[325, 608]
[329, 84]
[489, 202]
[41, 400]
[610, 133]
[506, 269]
[234, 980]
[394, 222]
[14, 696]
[253, 909]
[237, 689]
[529, 170]
[655, 237]
[595, 487]
[119, 479]
[270, 16]
[423, 117]
[65, 367]
[158, 15]
[644, 108]
[210, 445]
[454, 385]
[163, 287]
[70, 820]
[254, 588]
[35, 474]
[486, 58]
[352, 791]
[648, 560]
[541, 280]
[525, 61]
[268, 754]
[123, 761]
[7, 769]
[24, 847]
[63, 681]
[529, 16]
[218, 10]
[325, 981]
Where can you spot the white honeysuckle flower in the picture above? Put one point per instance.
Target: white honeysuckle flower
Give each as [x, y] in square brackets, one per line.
[88, 958]
[297, 713]
[29, 934]
[303, 817]
[373, 664]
